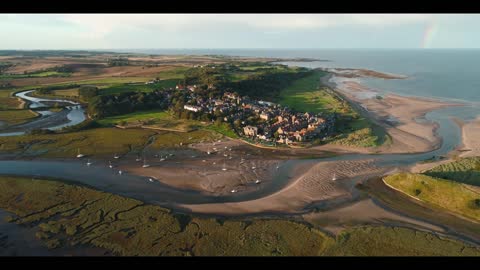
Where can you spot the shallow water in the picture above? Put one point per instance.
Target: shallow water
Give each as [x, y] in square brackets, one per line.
[76, 114]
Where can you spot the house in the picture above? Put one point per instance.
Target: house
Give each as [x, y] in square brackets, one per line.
[192, 108]
[192, 88]
[265, 116]
[250, 131]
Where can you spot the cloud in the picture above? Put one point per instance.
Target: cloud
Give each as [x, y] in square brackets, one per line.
[100, 25]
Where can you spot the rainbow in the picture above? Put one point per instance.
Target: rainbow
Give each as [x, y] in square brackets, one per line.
[430, 30]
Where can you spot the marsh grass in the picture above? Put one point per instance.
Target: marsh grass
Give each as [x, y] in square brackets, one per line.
[75, 215]
[15, 117]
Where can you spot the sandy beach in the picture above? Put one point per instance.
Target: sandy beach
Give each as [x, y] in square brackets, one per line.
[399, 115]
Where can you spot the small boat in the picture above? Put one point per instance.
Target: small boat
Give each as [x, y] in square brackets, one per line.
[150, 179]
[116, 156]
[110, 165]
[224, 167]
[334, 177]
[120, 172]
[204, 160]
[89, 163]
[257, 181]
[79, 155]
[138, 159]
[171, 155]
[230, 157]
[225, 155]
[233, 191]
[253, 167]
[214, 163]
[145, 165]
[162, 158]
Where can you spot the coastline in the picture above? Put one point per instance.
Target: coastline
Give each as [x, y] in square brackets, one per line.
[397, 114]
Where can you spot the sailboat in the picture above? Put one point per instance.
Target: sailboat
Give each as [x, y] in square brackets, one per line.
[78, 154]
[145, 165]
[224, 168]
[89, 163]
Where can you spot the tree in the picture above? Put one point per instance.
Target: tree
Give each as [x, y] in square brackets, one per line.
[86, 92]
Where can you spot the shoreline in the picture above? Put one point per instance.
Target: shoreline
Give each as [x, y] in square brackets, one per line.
[397, 114]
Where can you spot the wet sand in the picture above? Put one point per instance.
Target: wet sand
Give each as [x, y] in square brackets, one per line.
[361, 213]
[309, 184]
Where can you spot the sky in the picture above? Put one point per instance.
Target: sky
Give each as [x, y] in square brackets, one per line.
[272, 31]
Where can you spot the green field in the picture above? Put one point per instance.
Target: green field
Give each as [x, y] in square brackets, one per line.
[15, 117]
[307, 96]
[465, 170]
[121, 88]
[154, 119]
[452, 196]
[175, 74]
[73, 215]
[223, 129]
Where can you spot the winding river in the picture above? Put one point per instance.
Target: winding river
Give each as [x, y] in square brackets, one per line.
[74, 114]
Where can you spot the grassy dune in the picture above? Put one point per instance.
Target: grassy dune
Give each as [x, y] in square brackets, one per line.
[465, 170]
[69, 215]
[452, 196]
[14, 117]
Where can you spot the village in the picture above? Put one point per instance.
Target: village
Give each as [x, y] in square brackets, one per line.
[259, 120]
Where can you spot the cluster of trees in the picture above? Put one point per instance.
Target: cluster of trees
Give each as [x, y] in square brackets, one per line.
[48, 89]
[206, 76]
[265, 85]
[114, 62]
[87, 92]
